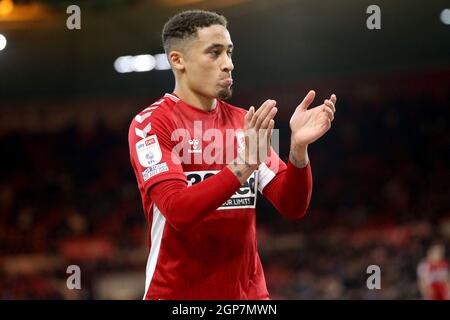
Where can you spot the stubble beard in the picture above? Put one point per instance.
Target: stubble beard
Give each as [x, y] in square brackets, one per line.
[225, 93]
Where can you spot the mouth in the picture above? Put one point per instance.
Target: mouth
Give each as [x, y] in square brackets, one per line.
[226, 82]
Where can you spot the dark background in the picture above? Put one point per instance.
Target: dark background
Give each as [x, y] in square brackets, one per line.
[381, 192]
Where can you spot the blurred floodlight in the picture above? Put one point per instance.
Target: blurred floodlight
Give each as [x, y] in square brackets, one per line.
[161, 62]
[6, 7]
[141, 63]
[144, 62]
[445, 16]
[124, 64]
[2, 42]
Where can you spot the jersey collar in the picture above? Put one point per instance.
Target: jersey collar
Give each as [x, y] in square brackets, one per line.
[172, 96]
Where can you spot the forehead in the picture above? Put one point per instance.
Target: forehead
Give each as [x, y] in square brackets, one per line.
[215, 34]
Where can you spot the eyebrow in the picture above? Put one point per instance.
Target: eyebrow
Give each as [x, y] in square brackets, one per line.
[218, 45]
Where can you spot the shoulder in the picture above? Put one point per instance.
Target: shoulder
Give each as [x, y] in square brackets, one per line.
[157, 114]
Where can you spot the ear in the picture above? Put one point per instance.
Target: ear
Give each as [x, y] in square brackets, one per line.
[176, 59]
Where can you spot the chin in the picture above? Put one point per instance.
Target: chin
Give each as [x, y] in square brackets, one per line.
[225, 93]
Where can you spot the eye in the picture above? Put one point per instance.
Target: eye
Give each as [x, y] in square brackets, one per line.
[230, 53]
[215, 53]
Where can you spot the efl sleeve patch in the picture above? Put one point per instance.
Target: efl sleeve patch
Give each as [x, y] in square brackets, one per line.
[148, 151]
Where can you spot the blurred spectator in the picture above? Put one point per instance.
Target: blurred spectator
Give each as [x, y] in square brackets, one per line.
[433, 275]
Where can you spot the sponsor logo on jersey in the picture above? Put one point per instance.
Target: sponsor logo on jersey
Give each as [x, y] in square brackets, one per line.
[149, 141]
[148, 151]
[245, 197]
[154, 170]
[193, 143]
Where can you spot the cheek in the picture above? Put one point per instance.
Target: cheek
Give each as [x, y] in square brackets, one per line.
[203, 72]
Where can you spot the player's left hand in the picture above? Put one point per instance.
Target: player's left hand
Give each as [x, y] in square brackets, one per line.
[308, 125]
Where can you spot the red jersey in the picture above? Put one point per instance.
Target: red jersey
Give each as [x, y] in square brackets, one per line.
[217, 258]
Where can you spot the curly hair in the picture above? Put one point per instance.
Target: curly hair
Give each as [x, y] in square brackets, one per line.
[184, 25]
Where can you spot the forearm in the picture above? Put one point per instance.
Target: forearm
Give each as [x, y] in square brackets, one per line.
[290, 191]
[184, 206]
[298, 155]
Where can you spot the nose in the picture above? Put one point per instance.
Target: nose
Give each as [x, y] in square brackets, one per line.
[227, 64]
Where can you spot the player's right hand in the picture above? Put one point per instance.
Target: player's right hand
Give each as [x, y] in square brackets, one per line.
[258, 126]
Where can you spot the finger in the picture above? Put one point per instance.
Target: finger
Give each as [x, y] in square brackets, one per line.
[248, 116]
[269, 138]
[330, 104]
[267, 133]
[270, 129]
[271, 126]
[268, 118]
[268, 111]
[258, 112]
[264, 140]
[329, 112]
[307, 100]
[333, 98]
[327, 124]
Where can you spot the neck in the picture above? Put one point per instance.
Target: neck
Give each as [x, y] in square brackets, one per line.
[193, 99]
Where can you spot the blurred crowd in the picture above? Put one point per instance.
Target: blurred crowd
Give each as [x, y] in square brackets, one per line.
[381, 197]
